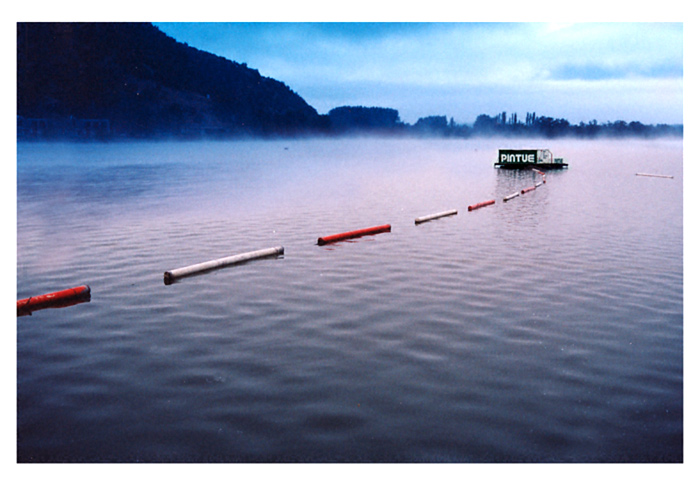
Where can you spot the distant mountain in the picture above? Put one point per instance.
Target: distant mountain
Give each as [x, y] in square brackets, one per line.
[131, 79]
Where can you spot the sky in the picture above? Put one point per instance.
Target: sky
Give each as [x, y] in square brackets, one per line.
[604, 71]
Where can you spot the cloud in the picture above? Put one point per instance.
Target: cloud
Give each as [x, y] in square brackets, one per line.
[596, 72]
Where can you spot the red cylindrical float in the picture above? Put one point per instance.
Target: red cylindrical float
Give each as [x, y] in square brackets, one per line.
[323, 240]
[481, 204]
[62, 298]
[528, 189]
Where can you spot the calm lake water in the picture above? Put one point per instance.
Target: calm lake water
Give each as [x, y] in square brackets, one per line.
[548, 328]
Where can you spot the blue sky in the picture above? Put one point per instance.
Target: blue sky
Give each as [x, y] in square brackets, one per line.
[579, 71]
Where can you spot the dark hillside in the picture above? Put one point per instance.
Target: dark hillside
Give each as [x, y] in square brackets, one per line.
[131, 79]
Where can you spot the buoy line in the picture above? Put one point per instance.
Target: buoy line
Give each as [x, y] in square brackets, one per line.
[72, 296]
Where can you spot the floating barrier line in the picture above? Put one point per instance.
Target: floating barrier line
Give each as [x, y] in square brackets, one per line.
[431, 217]
[62, 298]
[654, 175]
[76, 295]
[172, 275]
[324, 240]
[528, 189]
[481, 204]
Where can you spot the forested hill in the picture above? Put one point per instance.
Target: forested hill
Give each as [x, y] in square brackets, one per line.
[131, 79]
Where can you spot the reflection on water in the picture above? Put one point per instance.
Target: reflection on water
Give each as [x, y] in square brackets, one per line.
[548, 328]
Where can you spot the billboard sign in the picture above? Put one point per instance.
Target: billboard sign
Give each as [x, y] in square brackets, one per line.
[517, 156]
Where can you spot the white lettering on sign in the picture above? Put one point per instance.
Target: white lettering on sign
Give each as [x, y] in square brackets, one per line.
[522, 158]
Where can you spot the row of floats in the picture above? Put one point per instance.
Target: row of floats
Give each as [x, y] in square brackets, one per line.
[82, 293]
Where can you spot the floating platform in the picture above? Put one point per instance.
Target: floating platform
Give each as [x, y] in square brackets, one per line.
[527, 159]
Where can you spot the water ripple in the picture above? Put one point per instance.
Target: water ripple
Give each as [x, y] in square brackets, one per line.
[545, 329]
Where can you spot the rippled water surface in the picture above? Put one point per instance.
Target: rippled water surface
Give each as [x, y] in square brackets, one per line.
[548, 328]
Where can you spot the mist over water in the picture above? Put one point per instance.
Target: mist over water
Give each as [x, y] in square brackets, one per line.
[543, 329]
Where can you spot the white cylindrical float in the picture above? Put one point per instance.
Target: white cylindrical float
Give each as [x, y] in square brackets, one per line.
[655, 175]
[172, 275]
[538, 184]
[511, 196]
[431, 217]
